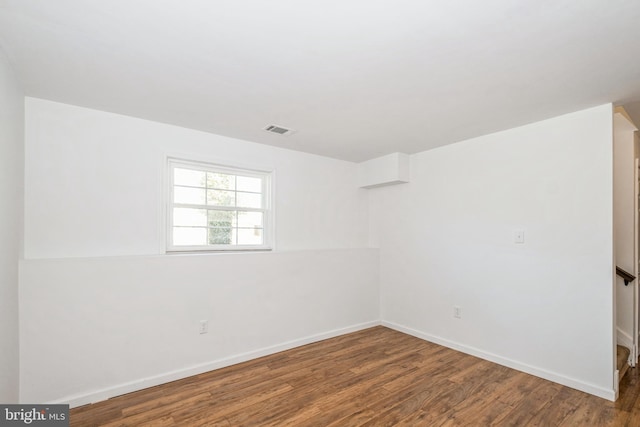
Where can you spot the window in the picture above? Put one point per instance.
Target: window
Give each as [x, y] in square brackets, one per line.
[215, 207]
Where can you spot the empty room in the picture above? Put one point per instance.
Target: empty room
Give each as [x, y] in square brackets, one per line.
[337, 213]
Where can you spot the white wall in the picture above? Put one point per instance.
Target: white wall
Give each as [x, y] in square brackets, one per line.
[624, 151]
[93, 328]
[93, 185]
[11, 193]
[104, 311]
[636, 143]
[446, 238]
[93, 189]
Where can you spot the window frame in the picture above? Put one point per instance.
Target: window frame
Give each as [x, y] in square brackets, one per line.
[205, 166]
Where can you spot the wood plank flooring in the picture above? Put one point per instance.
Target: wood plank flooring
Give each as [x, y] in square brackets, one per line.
[376, 377]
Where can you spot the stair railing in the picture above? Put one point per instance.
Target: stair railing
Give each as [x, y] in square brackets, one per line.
[626, 276]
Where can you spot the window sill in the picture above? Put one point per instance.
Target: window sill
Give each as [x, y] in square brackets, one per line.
[216, 251]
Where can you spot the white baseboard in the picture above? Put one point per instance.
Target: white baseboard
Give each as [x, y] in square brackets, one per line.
[609, 394]
[139, 384]
[624, 339]
[117, 390]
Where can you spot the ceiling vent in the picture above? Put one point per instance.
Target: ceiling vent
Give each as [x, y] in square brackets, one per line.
[279, 130]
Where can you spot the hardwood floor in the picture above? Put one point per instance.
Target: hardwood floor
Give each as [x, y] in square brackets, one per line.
[376, 377]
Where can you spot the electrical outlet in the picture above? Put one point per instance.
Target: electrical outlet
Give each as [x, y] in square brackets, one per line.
[204, 326]
[457, 312]
[518, 236]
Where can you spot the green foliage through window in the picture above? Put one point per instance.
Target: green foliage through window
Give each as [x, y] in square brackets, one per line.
[217, 209]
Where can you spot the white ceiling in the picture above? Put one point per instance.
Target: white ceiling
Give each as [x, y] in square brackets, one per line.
[356, 78]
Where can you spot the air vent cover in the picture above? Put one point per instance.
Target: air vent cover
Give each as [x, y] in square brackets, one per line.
[278, 129]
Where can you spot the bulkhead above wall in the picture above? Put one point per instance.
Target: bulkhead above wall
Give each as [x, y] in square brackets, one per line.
[386, 170]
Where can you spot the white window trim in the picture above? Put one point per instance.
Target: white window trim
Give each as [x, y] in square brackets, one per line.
[268, 211]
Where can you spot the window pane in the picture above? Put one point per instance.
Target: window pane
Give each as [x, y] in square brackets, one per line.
[193, 196]
[221, 236]
[221, 198]
[189, 236]
[249, 200]
[250, 219]
[221, 181]
[249, 236]
[246, 183]
[190, 217]
[215, 207]
[222, 219]
[189, 177]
